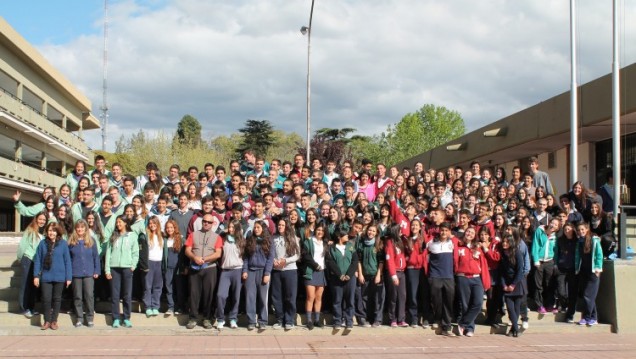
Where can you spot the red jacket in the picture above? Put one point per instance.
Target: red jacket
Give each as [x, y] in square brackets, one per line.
[401, 219]
[488, 224]
[395, 258]
[416, 256]
[467, 264]
[493, 256]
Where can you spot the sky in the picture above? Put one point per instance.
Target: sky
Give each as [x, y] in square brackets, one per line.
[372, 61]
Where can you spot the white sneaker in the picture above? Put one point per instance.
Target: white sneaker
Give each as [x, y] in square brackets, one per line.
[277, 326]
[233, 324]
[525, 325]
[220, 324]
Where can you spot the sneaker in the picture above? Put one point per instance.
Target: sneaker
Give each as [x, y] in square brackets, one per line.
[310, 325]
[525, 325]
[366, 325]
[289, 326]
[469, 334]
[542, 310]
[342, 325]
[569, 320]
[590, 323]
[251, 327]
[177, 312]
[169, 312]
[425, 324]
[555, 311]
[582, 322]
[28, 314]
[191, 324]
[155, 312]
[127, 323]
[349, 326]
[149, 313]
[435, 325]
[90, 324]
[233, 324]
[78, 324]
[448, 333]
[116, 323]
[362, 322]
[277, 326]
[207, 324]
[220, 324]
[403, 325]
[376, 325]
[394, 325]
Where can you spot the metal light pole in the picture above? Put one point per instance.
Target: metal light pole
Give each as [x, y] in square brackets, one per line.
[306, 30]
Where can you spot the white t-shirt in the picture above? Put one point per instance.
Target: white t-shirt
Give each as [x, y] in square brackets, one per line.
[319, 256]
[155, 252]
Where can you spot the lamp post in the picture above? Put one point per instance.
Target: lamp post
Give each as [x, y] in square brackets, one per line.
[306, 30]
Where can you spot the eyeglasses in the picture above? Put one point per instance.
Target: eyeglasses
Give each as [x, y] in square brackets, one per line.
[207, 222]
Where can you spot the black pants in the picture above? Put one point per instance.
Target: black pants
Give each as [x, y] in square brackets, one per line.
[202, 286]
[544, 285]
[397, 298]
[442, 299]
[27, 289]
[369, 300]
[51, 300]
[121, 286]
[283, 290]
[567, 290]
[513, 303]
[418, 295]
[342, 294]
[588, 284]
[494, 297]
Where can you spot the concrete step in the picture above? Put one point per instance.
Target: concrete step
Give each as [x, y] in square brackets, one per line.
[9, 294]
[14, 324]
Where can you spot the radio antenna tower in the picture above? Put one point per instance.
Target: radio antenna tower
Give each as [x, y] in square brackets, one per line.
[104, 108]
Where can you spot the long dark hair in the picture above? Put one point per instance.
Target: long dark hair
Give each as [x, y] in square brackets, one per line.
[265, 243]
[116, 233]
[239, 239]
[395, 235]
[291, 245]
[50, 245]
[511, 252]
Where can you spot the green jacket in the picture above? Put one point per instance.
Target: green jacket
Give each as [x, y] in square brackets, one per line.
[339, 263]
[76, 211]
[540, 243]
[369, 258]
[29, 211]
[124, 253]
[29, 244]
[597, 256]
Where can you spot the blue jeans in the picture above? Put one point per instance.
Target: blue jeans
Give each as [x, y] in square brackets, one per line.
[121, 287]
[588, 284]
[284, 290]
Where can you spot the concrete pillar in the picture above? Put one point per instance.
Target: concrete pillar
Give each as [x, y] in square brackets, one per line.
[18, 150]
[19, 91]
[44, 161]
[64, 119]
[17, 220]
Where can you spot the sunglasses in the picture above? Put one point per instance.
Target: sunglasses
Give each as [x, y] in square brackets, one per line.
[207, 222]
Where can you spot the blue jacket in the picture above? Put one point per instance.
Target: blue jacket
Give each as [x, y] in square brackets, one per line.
[85, 261]
[259, 260]
[60, 270]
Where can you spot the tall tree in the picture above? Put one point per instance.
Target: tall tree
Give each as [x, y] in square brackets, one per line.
[258, 136]
[330, 144]
[189, 131]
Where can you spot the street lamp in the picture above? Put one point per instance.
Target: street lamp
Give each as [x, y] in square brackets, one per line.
[306, 30]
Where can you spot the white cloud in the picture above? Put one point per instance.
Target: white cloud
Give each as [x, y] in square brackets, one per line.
[372, 61]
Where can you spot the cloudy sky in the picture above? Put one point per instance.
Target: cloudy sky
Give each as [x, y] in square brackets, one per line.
[372, 60]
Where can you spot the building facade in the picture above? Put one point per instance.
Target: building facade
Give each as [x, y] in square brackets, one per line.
[42, 116]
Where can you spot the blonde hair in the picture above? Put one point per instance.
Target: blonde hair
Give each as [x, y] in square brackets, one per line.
[74, 239]
[157, 232]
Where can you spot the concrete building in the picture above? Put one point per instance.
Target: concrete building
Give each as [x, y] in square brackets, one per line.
[543, 130]
[42, 116]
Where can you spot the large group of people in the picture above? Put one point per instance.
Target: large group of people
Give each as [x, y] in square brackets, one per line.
[406, 247]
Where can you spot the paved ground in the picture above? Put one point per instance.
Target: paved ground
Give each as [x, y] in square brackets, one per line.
[553, 346]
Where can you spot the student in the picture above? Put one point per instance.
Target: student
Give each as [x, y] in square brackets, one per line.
[441, 279]
[76, 175]
[314, 249]
[395, 264]
[567, 281]
[589, 265]
[122, 255]
[52, 270]
[86, 267]
[285, 275]
[543, 258]
[31, 238]
[342, 262]
[154, 278]
[257, 268]
[513, 281]
[418, 293]
[231, 269]
[172, 268]
[491, 247]
[473, 279]
[370, 289]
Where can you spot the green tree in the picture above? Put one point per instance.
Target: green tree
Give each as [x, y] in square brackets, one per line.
[189, 131]
[258, 136]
